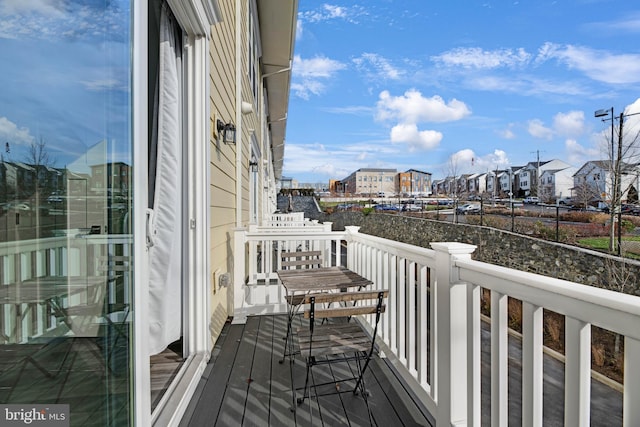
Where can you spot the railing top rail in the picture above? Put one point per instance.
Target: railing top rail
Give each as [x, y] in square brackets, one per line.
[395, 248]
[608, 309]
[305, 233]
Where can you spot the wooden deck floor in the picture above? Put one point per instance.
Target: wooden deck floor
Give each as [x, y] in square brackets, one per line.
[244, 385]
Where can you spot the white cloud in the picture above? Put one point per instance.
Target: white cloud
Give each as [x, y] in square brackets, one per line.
[11, 133]
[309, 75]
[413, 108]
[318, 67]
[463, 157]
[569, 124]
[630, 23]
[41, 7]
[414, 138]
[376, 67]
[467, 160]
[299, 29]
[60, 19]
[478, 58]
[537, 129]
[334, 161]
[329, 12]
[577, 154]
[596, 64]
[506, 134]
[100, 85]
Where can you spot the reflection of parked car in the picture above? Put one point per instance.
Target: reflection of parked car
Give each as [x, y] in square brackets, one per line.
[19, 207]
[468, 208]
[54, 198]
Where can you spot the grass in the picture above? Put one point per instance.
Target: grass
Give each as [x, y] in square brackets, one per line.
[597, 243]
[602, 244]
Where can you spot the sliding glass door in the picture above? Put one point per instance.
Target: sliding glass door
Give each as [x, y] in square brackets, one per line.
[66, 266]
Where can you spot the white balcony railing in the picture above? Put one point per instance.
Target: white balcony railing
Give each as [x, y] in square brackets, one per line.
[431, 329]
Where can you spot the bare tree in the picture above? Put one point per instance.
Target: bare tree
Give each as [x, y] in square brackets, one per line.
[623, 152]
[620, 279]
[583, 193]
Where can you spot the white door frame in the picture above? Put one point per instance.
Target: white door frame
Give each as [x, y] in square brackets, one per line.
[195, 17]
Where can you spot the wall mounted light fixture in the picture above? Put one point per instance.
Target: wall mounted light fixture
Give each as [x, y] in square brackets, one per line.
[253, 166]
[227, 131]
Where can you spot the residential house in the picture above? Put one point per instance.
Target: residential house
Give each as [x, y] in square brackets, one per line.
[592, 182]
[477, 183]
[438, 187]
[528, 175]
[555, 184]
[462, 185]
[414, 182]
[493, 185]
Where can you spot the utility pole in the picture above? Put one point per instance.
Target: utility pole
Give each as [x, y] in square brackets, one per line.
[537, 172]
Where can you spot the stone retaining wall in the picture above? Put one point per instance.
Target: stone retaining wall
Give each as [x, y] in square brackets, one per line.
[500, 247]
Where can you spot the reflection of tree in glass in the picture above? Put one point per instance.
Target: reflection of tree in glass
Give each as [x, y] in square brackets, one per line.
[39, 158]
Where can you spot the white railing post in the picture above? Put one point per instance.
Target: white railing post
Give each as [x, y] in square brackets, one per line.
[631, 409]
[451, 352]
[326, 249]
[239, 265]
[351, 231]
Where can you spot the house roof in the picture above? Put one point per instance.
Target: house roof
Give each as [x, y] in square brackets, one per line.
[277, 36]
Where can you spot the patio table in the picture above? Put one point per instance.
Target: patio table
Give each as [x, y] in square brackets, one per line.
[301, 282]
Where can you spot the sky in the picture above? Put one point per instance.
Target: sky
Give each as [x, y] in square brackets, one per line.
[454, 87]
[65, 79]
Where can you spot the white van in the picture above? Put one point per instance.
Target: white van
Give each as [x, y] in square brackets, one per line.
[531, 200]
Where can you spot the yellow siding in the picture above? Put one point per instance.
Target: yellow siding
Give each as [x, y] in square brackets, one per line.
[222, 168]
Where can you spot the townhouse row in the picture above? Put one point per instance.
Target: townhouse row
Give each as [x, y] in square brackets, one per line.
[551, 181]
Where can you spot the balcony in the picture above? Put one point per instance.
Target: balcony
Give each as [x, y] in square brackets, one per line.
[461, 368]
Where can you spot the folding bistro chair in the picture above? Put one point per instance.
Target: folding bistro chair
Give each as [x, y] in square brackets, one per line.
[339, 342]
[296, 260]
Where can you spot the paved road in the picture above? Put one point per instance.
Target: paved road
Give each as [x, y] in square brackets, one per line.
[606, 403]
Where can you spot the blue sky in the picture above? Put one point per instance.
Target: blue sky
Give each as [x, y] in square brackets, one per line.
[456, 85]
[65, 77]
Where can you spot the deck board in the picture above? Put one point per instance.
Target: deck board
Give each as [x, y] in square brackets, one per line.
[244, 385]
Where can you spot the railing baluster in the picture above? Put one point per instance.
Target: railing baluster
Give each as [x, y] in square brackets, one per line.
[422, 357]
[385, 284]
[393, 303]
[410, 310]
[499, 360]
[532, 358]
[474, 324]
[577, 383]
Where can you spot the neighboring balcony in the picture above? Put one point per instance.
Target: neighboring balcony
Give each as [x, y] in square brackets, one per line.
[457, 366]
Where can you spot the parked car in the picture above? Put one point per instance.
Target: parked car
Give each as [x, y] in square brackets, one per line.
[411, 207]
[468, 209]
[531, 200]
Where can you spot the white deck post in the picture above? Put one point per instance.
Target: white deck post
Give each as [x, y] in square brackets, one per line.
[451, 379]
[351, 231]
[239, 263]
